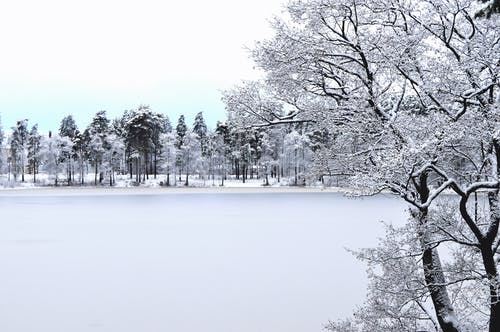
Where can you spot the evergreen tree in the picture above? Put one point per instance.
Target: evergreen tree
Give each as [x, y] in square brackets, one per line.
[98, 131]
[34, 146]
[143, 130]
[80, 151]
[119, 127]
[223, 148]
[200, 129]
[180, 133]
[167, 125]
[68, 128]
[99, 125]
[18, 145]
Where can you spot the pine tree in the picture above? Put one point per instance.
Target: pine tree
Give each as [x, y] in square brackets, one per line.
[143, 130]
[18, 144]
[180, 133]
[98, 131]
[68, 128]
[200, 129]
[167, 125]
[34, 146]
[80, 151]
[119, 127]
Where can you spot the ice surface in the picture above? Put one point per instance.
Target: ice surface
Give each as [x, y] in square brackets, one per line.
[200, 261]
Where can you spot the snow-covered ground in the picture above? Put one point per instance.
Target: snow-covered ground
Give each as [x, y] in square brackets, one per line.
[43, 180]
[183, 260]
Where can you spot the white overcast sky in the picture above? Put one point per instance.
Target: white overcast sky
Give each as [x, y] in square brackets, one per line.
[61, 57]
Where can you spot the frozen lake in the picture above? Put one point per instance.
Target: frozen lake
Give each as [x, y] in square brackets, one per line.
[183, 262]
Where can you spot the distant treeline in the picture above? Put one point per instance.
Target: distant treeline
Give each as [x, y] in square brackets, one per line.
[144, 144]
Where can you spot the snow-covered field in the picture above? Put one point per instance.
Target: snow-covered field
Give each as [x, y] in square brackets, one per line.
[156, 259]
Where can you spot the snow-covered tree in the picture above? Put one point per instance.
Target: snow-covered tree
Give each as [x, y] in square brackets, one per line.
[143, 129]
[81, 153]
[18, 147]
[266, 160]
[200, 129]
[180, 132]
[169, 154]
[34, 150]
[68, 128]
[352, 66]
[98, 130]
[53, 148]
[113, 156]
[277, 136]
[252, 104]
[489, 8]
[190, 154]
[296, 155]
[167, 127]
[2, 137]
[222, 146]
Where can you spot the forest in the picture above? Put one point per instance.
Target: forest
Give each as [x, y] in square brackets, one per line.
[378, 96]
[143, 144]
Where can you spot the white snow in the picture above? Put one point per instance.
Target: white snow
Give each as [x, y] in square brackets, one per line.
[154, 259]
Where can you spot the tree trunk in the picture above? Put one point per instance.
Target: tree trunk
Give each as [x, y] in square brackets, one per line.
[137, 171]
[69, 173]
[493, 280]
[490, 265]
[82, 179]
[146, 170]
[95, 175]
[155, 168]
[435, 281]
[433, 271]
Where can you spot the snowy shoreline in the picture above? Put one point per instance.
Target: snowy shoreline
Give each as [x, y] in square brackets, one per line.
[91, 190]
